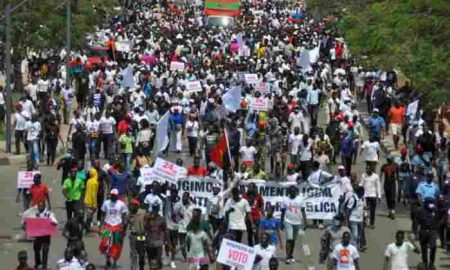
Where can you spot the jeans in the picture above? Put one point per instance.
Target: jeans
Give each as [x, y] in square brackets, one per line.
[41, 247]
[52, 144]
[137, 252]
[94, 147]
[127, 159]
[355, 228]
[428, 246]
[33, 148]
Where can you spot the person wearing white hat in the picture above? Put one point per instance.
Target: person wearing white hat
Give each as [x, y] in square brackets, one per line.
[113, 223]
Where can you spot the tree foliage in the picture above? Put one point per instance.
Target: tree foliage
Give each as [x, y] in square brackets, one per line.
[409, 35]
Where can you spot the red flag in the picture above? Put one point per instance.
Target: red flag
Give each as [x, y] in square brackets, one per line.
[217, 153]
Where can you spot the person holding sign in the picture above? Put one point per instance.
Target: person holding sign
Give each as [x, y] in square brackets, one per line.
[293, 216]
[39, 192]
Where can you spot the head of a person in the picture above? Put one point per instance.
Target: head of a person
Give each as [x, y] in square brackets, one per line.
[37, 179]
[196, 216]
[292, 192]
[185, 197]
[390, 159]
[251, 189]
[114, 195]
[155, 187]
[196, 161]
[342, 171]
[256, 168]
[296, 130]
[375, 113]
[90, 267]
[41, 206]
[337, 221]
[359, 190]
[216, 189]
[68, 254]
[315, 165]
[22, 257]
[369, 170]
[346, 236]
[429, 176]
[265, 239]
[273, 263]
[399, 238]
[235, 194]
[179, 162]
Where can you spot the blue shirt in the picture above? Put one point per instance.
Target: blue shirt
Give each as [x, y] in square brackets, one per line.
[427, 190]
[271, 226]
[375, 124]
[120, 181]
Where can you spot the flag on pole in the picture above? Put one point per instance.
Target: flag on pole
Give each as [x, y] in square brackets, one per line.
[232, 99]
[161, 138]
[218, 152]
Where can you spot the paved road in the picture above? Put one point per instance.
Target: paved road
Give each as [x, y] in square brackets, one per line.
[372, 259]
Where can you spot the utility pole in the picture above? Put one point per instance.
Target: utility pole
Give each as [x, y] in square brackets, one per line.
[68, 41]
[8, 70]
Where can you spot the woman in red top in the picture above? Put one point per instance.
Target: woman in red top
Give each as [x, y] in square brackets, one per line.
[256, 202]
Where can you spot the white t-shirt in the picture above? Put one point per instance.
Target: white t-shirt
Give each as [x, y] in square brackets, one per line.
[43, 85]
[345, 257]
[266, 254]
[295, 119]
[295, 141]
[33, 130]
[20, 121]
[237, 217]
[185, 213]
[371, 150]
[398, 255]
[93, 126]
[318, 177]
[114, 211]
[152, 199]
[107, 125]
[356, 206]
[248, 153]
[192, 128]
[76, 121]
[293, 209]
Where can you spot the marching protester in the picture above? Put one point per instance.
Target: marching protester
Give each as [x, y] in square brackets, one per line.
[396, 254]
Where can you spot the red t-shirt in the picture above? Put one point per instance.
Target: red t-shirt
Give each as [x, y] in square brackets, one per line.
[39, 193]
[123, 126]
[200, 171]
[396, 115]
[256, 205]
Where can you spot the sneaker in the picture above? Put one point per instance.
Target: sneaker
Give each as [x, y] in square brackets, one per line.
[173, 265]
[292, 260]
[288, 261]
[321, 227]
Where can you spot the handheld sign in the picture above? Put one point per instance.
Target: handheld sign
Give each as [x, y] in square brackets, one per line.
[251, 78]
[147, 175]
[167, 171]
[259, 104]
[237, 255]
[176, 66]
[194, 86]
[36, 227]
[25, 178]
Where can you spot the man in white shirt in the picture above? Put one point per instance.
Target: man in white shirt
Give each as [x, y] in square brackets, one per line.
[237, 211]
[396, 254]
[20, 120]
[248, 154]
[345, 255]
[293, 216]
[264, 252]
[371, 149]
[183, 212]
[296, 119]
[317, 176]
[113, 223]
[108, 131]
[43, 86]
[33, 129]
[294, 141]
[69, 261]
[372, 192]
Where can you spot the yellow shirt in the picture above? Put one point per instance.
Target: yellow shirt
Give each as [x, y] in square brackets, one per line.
[92, 184]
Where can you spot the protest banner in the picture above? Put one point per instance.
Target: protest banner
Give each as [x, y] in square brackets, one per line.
[262, 87]
[259, 104]
[147, 175]
[123, 46]
[25, 178]
[321, 202]
[236, 255]
[36, 227]
[251, 78]
[199, 188]
[194, 86]
[167, 171]
[412, 108]
[176, 66]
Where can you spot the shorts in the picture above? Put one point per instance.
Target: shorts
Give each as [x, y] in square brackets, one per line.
[291, 231]
[173, 237]
[396, 129]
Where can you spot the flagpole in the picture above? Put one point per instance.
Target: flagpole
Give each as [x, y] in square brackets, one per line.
[228, 145]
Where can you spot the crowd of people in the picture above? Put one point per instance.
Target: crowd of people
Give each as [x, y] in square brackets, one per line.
[113, 128]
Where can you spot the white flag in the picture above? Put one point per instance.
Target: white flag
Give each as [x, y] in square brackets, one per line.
[232, 99]
[161, 138]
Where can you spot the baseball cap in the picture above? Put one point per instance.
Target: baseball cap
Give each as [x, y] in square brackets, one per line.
[114, 191]
[376, 110]
[341, 168]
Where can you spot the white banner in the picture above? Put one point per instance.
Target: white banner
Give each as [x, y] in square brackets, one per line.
[236, 255]
[320, 202]
[199, 188]
[262, 87]
[259, 104]
[167, 171]
[147, 175]
[25, 178]
[123, 46]
[194, 86]
[176, 66]
[251, 78]
[412, 108]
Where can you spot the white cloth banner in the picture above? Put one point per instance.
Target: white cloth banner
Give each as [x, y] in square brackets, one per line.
[232, 99]
[251, 78]
[194, 86]
[321, 202]
[236, 255]
[259, 104]
[168, 171]
[200, 189]
[123, 46]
